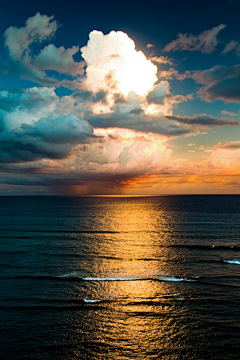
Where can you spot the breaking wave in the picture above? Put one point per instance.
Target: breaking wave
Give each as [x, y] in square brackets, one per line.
[119, 278]
[232, 261]
[168, 278]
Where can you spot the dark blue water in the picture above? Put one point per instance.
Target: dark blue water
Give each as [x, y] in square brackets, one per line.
[120, 277]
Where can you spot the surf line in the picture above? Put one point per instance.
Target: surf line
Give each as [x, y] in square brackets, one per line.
[167, 278]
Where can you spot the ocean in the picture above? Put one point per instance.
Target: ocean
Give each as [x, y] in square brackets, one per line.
[141, 277]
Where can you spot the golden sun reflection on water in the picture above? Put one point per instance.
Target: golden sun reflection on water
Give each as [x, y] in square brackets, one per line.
[131, 234]
[140, 316]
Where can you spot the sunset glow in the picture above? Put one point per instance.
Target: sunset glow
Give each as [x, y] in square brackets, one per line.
[123, 118]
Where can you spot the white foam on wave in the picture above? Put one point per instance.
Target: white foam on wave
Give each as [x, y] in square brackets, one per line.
[72, 274]
[128, 278]
[174, 279]
[171, 279]
[90, 301]
[120, 278]
[232, 261]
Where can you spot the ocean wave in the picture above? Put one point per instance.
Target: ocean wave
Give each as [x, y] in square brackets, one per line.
[232, 261]
[52, 307]
[119, 278]
[126, 278]
[180, 298]
[205, 247]
[57, 231]
[71, 274]
[49, 277]
[168, 278]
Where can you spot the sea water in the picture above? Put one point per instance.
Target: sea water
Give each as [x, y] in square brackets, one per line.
[142, 277]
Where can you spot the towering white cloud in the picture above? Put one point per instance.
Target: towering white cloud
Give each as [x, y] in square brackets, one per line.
[113, 64]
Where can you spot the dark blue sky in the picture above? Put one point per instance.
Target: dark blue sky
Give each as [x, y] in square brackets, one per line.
[150, 21]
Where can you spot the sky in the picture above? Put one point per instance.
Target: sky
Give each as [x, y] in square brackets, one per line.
[119, 98]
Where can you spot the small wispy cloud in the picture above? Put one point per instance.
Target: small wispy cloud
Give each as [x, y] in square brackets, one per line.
[161, 60]
[205, 42]
[233, 44]
[229, 113]
[203, 120]
[231, 145]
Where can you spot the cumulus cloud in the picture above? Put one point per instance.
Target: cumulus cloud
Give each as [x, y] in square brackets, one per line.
[173, 73]
[58, 59]
[31, 127]
[158, 94]
[161, 60]
[37, 28]
[225, 160]
[24, 106]
[52, 138]
[21, 43]
[114, 64]
[143, 115]
[205, 42]
[221, 83]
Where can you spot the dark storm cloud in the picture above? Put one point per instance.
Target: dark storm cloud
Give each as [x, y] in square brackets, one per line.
[51, 138]
[37, 174]
[61, 130]
[28, 149]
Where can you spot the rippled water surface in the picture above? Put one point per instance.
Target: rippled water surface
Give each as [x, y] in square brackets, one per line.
[120, 277]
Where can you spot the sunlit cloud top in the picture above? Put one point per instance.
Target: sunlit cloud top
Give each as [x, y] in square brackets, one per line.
[113, 64]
